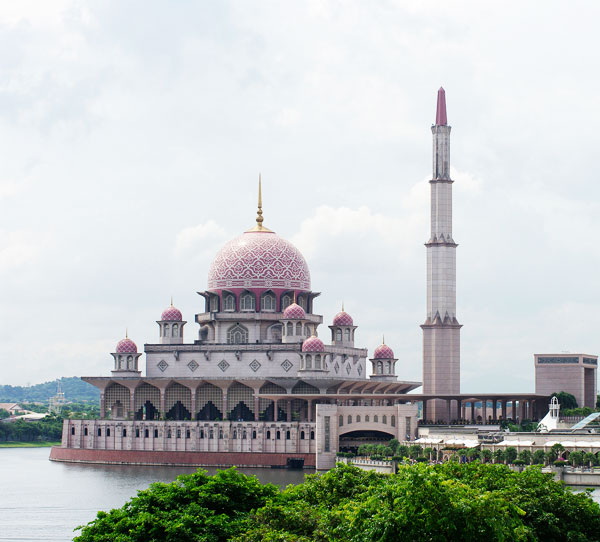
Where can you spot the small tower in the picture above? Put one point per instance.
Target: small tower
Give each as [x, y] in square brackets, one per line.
[313, 358]
[171, 326]
[342, 330]
[295, 326]
[384, 363]
[126, 358]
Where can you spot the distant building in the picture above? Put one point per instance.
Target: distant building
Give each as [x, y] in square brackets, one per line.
[573, 373]
[58, 401]
[12, 408]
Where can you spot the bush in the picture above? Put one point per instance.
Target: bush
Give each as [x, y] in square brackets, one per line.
[560, 463]
[472, 502]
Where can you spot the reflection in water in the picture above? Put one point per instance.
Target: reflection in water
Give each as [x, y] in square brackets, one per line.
[44, 500]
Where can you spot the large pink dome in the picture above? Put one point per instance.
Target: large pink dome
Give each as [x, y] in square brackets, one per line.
[259, 259]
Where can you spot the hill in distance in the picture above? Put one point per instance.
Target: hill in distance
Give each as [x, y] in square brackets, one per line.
[74, 388]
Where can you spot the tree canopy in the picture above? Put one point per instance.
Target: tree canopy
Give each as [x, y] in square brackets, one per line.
[467, 502]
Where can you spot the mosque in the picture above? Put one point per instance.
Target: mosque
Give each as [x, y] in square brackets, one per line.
[261, 383]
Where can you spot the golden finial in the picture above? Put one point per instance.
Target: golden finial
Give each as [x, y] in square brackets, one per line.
[383, 339]
[171, 301]
[126, 334]
[343, 306]
[294, 296]
[259, 216]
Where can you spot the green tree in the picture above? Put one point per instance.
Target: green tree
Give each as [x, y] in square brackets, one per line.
[557, 451]
[428, 453]
[486, 456]
[566, 400]
[402, 451]
[510, 454]
[472, 454]
[393, 444]
[525, 456]
[499, 455]
[415, 451]
[538, 457]
[589, 459]
[576, 458]
[4, 413]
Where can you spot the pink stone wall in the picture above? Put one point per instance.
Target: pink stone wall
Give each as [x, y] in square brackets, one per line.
[138, 457]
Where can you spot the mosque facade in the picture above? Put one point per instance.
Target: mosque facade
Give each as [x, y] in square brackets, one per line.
[263, 382]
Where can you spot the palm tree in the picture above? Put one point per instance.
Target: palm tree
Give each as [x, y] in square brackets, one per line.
[486, 456]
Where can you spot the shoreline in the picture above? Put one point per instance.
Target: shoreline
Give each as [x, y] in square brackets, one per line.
[19, 444]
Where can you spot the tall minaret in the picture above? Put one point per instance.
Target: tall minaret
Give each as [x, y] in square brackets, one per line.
[441, 330]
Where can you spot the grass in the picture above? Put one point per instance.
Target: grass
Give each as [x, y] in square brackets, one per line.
[37, 444]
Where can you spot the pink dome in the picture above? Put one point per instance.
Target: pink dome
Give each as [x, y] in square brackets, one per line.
[126, 346]
[342, 318]
[313, 344]
[383, 351]
[294, 312]
[259, 259]
[171, 314]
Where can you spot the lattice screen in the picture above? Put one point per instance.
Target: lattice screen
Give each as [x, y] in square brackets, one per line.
[175, 393]
[114, 393]
[208, 392]
[304, 388]
[147, 392]
[238, 392]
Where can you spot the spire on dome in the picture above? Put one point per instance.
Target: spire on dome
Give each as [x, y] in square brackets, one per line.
[259, 216]
[440, 117]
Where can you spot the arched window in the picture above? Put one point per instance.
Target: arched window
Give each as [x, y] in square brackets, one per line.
[248, 302]
[312, 435]
[214, 303]
[393, 421]
[237, 334]
[384, 419]
[376, 418]
[288, 435]
[175, 331]
[298, 328]
[367, 418]
[290, 329]
[253, 434]
[85, 432]
[166, 330]
[286, 301]
[318, 361]
[234, 434]
[278, 435]
[307, 331]
[168, 434]
[301, 435]
[156, 433]
[202, 433]
[72, 430]
[268, 302]
[301, 301]
[338, 334]
[108, 431]
[130, 362]
[358, 418]
[347, 333]
[244, 435]
[220, 433]
[341, 421]
[349, 420]
[268, 435]
[211, 434]
[389, 367]
[379, 367]
[229, 303]
[308, 361]
[146, 433]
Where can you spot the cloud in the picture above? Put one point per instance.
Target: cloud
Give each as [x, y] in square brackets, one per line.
[195, 238]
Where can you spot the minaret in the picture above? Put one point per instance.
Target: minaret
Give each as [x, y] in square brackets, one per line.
[441, 330]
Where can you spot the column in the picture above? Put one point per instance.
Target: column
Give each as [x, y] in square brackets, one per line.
[473, 420]
[289, 410]
[131, 413]
[163, 414]
[256, 408]
[310, 402]
[224, 404]
[503, 402]
[193, 403]
[484, 410]
[448, 409]
[102, 405]
[424, 412]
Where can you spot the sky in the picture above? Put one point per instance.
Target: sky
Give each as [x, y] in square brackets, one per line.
[132, 134]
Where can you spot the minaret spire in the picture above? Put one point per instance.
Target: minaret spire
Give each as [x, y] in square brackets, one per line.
[440, 117]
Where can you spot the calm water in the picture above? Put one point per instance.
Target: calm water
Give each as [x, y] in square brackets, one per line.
[44, 500]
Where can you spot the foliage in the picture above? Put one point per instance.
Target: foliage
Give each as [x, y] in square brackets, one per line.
[582, 411]
[48, 428]
[525, 456]
[576, 458]
[590, 459]
[538, 457]
[74, 389]
[468, 502]
[486, 456]
[510, 454]
[566, 400]
[4, 413]
[560, 463]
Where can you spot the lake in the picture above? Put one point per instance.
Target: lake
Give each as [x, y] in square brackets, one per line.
[44, 500]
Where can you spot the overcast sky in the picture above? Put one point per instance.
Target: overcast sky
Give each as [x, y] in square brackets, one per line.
[132, 134]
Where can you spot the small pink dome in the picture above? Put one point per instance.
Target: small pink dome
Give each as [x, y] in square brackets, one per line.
[171, 314]
[313, 344]
[126, 346]
[342, 318]
[383, 351]
[294, 312]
